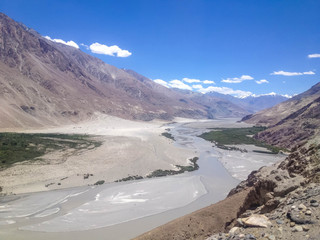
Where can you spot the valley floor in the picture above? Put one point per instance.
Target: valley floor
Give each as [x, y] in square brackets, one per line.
[129, 148]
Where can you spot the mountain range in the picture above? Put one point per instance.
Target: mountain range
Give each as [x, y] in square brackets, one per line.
[44, 83]
[48, 83]
[253, 103]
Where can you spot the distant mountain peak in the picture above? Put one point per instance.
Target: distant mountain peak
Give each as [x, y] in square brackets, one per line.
[253, 103]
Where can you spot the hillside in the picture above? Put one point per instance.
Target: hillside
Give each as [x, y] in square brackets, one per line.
[47, 83]
[272, 116]
[291, 122]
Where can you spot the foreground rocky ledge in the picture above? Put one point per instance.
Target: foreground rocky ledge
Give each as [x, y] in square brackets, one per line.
[285, 195]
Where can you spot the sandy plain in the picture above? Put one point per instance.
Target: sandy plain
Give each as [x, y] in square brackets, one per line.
[129, 148]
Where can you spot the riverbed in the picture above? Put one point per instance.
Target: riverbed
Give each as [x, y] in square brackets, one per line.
[127, 209]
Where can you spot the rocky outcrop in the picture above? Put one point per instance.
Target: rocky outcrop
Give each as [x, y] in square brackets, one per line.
[288, 194]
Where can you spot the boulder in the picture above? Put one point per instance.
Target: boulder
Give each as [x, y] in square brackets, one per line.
[256, 220]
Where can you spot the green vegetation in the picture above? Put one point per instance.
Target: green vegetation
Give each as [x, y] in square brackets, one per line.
[100, 182]
[168, 135]
[130, 178]
[235, 136]
[19, 147]
[182, 169]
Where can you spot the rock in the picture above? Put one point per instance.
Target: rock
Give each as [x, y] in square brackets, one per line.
[241, 236]
[256, 220]
[269, 196]
[308, 212]
[315, 204]
[234, 231]
[239, 220]
[271, 237]
[292, 224]
[305, 228]
[249, 236]
[279, 221]
[270, 205]
[290, 201]
[299, 218]
[302, 207]
[297, 229]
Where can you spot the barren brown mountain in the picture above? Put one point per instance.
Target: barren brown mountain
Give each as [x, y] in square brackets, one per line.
[273, 115]
[47, 83]
[291, 122]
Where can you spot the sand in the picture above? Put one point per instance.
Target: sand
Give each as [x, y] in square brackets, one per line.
[129, 148]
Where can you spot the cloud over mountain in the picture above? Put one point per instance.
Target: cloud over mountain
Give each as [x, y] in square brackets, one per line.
[111, 51]
[226, 90]
[69, 43]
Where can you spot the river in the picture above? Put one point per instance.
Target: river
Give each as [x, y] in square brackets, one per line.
[122, 210]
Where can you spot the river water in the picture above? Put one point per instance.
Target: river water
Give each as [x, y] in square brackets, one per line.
[121, 210]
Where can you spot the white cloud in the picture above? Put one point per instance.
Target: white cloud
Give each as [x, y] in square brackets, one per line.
[288, 96]
[309, 73]
[226, 90]
[69, 43]
[262, 81]
[161, 82]
[237, 80]
[315, 55]
[197, 86]
[208, 82]
[190, 80]
[173, 84]
[179, 84]
[271, 94]
[111, 51]
[84, 45]
[283, 73]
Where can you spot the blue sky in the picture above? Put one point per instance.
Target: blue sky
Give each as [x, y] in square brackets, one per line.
[240, 47]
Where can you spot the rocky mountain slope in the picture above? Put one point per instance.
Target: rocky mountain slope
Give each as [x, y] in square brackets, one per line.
[251, 103]
[300, 120]
[48, 83]
[299, 126]
[272, 116]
